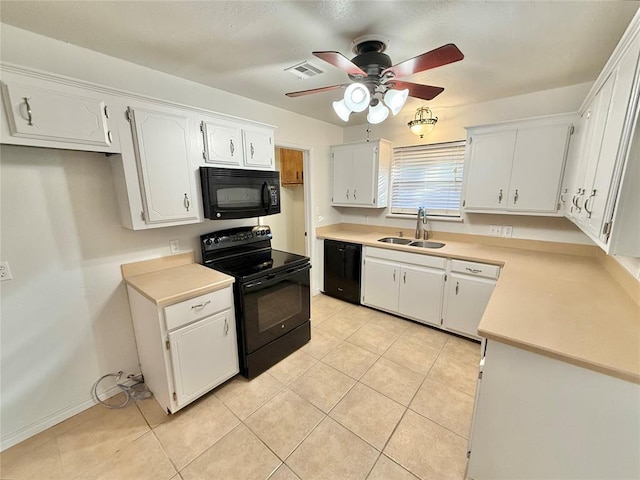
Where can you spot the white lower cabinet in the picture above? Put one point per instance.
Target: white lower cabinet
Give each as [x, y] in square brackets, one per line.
[410, 285]
[425, 289]
[469, 287]
[186, 349]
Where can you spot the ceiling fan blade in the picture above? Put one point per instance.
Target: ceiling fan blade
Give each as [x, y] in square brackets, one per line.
[315, 90]
[443, 55]
[425, 92]
[343, 63]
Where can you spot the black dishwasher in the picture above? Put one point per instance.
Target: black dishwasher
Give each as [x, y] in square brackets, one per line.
[342, 270]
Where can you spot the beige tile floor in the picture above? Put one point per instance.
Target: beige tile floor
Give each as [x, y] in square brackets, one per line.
[372, 396]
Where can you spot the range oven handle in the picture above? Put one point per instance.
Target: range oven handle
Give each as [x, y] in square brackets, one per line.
[273, 279]
[266, 190]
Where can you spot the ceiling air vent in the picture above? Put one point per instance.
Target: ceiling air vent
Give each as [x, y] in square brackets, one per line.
[304, 70]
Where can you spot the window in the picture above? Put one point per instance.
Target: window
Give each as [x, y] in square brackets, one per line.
[427, 176]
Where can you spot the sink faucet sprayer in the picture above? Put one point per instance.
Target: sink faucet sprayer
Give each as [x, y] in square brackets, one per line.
[421, 220]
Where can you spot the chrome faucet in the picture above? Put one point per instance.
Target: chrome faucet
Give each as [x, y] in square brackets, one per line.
[421, 220]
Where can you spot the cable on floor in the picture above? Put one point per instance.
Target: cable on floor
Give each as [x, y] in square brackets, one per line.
[132, 387]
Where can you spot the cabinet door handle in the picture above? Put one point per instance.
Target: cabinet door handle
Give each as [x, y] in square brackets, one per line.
[109, 136]
[394, 275]
[473, 270]
[562, 199]
[106, 111]
[200, 306]
[457, 287]
[586, 203]
[186, 202]
[226, 326]
[252, 150]
[515, 197]
[347, 194]
[354, 194]
[297, 176]
[404, 277]
[30, 117]
[500, 196]
[232, 147]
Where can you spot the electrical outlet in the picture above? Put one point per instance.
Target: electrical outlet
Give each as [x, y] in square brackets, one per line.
[5, 272]
[174, 246]
[495, 230]
[507, 231]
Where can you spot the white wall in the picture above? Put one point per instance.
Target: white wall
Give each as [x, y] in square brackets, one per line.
[65, 318]
[451, 126]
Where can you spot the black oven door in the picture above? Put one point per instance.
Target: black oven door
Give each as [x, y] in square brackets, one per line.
[274, 305]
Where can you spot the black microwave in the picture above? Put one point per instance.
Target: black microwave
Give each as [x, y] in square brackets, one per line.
[235, 193]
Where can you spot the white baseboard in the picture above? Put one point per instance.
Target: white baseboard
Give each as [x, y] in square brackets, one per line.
[49, 421]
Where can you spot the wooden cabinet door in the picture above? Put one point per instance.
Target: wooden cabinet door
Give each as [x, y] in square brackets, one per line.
[421, 290]
[48, 114]
[259, 150]
[291, 167]
[203, 355]
[381, 284]
[466, 300]
[341, 172]
[222, 143]
[163, 146]
[537, 168]
[489, 170]
[364, 174]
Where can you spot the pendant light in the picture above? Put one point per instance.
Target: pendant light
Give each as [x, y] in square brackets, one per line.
[423, 122]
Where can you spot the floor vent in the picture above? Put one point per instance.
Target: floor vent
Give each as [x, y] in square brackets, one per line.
[304, 70]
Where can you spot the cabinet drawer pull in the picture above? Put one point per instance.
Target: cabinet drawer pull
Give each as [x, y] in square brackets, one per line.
[404, 277]
[457, 287]
[473, 270]
[186, 202]
[232, 148]
[515, 197]
[30, 119]
[252, 150]
[500, 196]
[226, 326]
[200, 306]
[586, 203]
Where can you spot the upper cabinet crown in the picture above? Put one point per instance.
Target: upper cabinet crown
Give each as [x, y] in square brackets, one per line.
[516, 167]
[360, 173]
[602, 187]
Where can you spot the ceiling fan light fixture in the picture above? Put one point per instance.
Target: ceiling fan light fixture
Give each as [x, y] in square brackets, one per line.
[378, 113]
[395, 99]
[357, 97]
[423, 122]
[342, 110]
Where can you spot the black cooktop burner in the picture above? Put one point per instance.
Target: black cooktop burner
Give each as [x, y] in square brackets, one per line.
[259, 264]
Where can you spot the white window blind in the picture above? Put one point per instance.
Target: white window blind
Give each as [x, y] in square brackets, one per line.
[427, 176]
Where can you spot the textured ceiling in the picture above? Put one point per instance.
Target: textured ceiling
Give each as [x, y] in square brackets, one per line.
[243, 47]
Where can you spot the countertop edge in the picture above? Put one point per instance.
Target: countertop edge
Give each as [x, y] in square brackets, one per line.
[170, 300]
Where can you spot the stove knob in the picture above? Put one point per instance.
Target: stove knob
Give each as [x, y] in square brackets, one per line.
[268, 231]
[208, 241]
[216, 240]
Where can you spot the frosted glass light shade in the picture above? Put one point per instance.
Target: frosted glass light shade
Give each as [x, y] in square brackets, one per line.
[377, 113]
[342, 110]
[422, 129]
[357, 97]
[395, 99]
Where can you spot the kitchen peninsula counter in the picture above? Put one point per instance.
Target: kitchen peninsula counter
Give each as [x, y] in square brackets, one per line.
[565, 301]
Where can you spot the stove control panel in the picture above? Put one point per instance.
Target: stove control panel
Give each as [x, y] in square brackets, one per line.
[235, 237]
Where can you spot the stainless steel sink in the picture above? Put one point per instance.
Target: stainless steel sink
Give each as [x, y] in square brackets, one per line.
[424, 244]
[396, 240]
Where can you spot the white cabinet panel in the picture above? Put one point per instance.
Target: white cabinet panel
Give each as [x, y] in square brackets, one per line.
[489, 170]
[222, 143]
[466, 300]
[203, 355]
[421, 292]
[341, 171]
[163, 147]
[259, 150]
[537, 168]
[62, 115]
[363, 174]
[381, 284]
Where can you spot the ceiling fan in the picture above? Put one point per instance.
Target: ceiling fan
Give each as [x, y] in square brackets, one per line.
[373, 75]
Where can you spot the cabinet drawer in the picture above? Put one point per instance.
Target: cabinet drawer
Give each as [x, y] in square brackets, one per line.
[476, 269]
[406, 257]
[198, 307]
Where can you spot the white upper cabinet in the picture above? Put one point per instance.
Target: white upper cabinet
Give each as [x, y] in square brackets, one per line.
[360, 173]
[603, 173]
[222, 143]
[231, 144]
[516, 167]
[46, 114]
[163, 143]
[259, 150]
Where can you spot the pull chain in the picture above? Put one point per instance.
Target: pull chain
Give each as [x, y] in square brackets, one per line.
[368, 132]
